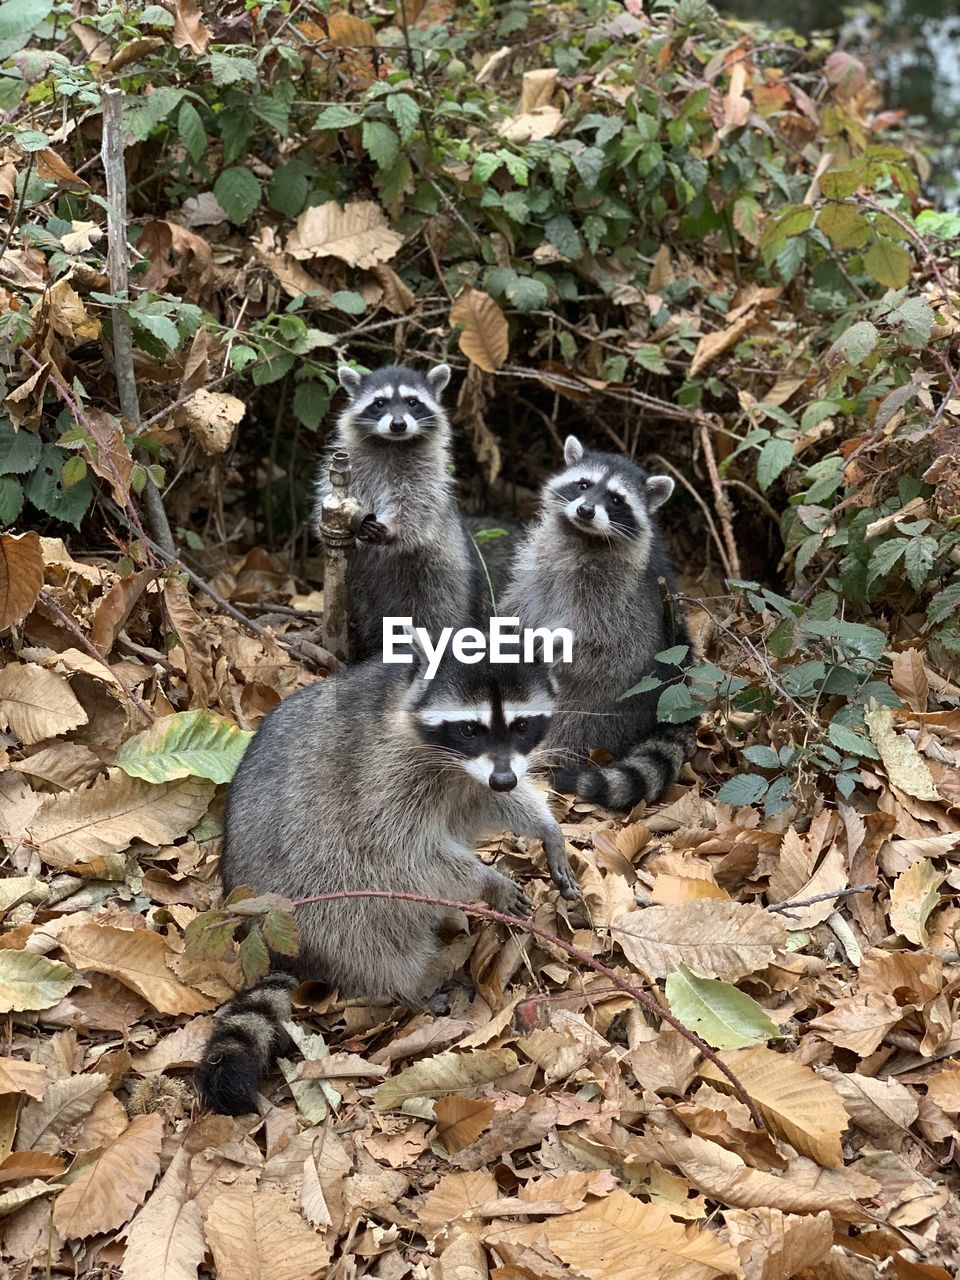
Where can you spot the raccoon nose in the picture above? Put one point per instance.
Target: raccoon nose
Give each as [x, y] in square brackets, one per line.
[398, 426]
[503, 780]
[585, 511]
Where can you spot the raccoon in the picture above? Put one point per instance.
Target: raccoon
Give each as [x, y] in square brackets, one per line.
[378, 778]
[414, 556]
[591, 564]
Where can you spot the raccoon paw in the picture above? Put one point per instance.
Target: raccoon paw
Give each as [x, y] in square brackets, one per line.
[374, 531]
[509, 898]
[563, 877]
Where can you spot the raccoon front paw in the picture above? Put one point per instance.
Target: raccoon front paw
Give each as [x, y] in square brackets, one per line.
[374, 531]
[563, 877]
[509, 898]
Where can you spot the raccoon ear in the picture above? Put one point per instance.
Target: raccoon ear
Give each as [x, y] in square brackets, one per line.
[572, 450]
[438, 377]
[349, 380]
[659, 489]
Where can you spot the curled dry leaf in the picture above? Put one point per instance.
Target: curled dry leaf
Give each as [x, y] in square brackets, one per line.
[21, 576]
[620, 1237]
[859, 1022]
[357, 234]
[138, 959]
[486, 337]
[79, 826]
[114, 1184]
[791, 1097]
[716, 939]
[212, 418]
[913, 897]
[36, 704]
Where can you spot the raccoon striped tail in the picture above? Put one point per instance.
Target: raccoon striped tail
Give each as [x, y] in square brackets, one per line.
[643, 773]
[246, 1039]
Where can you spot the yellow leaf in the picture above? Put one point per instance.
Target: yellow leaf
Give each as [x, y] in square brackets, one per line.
[350, 32]
[108, 1191]
[445, 1073]
[901, 759]
[621, 1238]
[36, 704]
[791, 1097]
[21, 576]
[485, 338]
[138, 959]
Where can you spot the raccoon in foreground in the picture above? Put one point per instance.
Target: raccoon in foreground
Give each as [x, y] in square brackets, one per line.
[414, 557]
[591, 563]
[378, 779]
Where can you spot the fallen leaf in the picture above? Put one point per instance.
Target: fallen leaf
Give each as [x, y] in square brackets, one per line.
[36, 704]
[486, 336]
[51, 167]
[28, 981]
[79, 826]
[106, 1193]
[621, 1238]
[23, 1077]
[883, 1108]
[457, 1197]
[21, 576]
[791, 1097]
[445, 1073]
[256, 1235]
[195, 744]
[212, 418]
[189, 31]
[165, 1240]
[944, 1088]
[63, 1104]
[901, 759]
[909, 679]
[776, 1246]
[347, 31]
[357, 234]
[460, 1121]
[859, 1022]
[913, 897]
[30, 1164]
[717, 939]
[138, 959]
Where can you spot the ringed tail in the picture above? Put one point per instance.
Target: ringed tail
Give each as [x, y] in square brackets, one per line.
[642, 774]
[246, 1039]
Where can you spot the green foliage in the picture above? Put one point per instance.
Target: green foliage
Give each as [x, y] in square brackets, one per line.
[718, 1012]
[195, 744]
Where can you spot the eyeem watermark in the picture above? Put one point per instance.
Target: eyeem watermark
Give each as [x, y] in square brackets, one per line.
[504, 643]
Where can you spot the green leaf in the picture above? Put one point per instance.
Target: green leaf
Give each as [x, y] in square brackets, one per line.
[29, 981]
[765, 757]
[11, 499]
[160, 327]
[381, 144]
[945, 604]
[226, 70]
[676, 705]
[19, 450]
[527, 294]
[844, 226]
[238, 192]
[486, 165]
[272, 369]
[337, 117]
[855, 345]
[888, 263]
[142, 115]
[254, 957]
[281, 933]
[191, 130]
[287, 189]
[45, 489]
[406, 112]
[74, 470]
[915, 318]
[852, 744]
[311, 400]
[194, 744]
[646, 685]
[789, 221]
[562, 234]
[775, 456]
[717, 1011]
[883, 558]
[17, 17]
[921, 555]
[348, 301]
[743, 788]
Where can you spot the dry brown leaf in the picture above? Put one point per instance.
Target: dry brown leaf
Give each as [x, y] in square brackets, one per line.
[357, 234]
[910, 976]
[944, 1088]
[30, 1164]
[859, 1022]
[716, 939]
[138, 959]
[8, 185]
[212, 418]
[51, 167]
[445, 1073]
[883, 1108]
[457, 1197]
[461, 1121]
[165, 1240]
[21, 576]
[107, 1192]
[23, 1077]
[531, 126]
[901, 759]
[189, 31]
[398, 298]
[621, 1238]
[909, 679]
[36, 704]
[256, 1234]
[79, 826]
[63, 1104]
[486, 336]
[794, 1101]
[774, 1245]
[714, 344]
[912, 898]
[350, 32]
[463, 1258]
[182, 1048]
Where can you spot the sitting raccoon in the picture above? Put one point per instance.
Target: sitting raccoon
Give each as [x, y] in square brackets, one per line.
[591, 564]
[414, 557]
[378, 779]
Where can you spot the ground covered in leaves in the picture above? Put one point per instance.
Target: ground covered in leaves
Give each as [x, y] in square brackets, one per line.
[545, 1126]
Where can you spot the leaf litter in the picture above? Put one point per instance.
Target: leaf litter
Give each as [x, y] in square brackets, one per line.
[546, 1124]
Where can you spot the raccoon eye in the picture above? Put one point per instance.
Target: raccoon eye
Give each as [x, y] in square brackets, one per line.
[520, 726]
[468, 730]
[413, 402]
[379, 403]
[615, 500]
[583, 486]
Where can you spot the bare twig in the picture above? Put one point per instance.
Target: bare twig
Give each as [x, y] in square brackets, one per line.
[575, 953]
[720, 499]
[711, 524]
[663, 408]
[793, 904]
[111, 100]
[15, 217]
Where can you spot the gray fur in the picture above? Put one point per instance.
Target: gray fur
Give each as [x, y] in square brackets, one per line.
[415, 558]
[350, 784]
[600, 581]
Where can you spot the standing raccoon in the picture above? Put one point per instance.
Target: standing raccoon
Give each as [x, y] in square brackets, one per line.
[414, 556]
[378, 779]
[591, 564]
